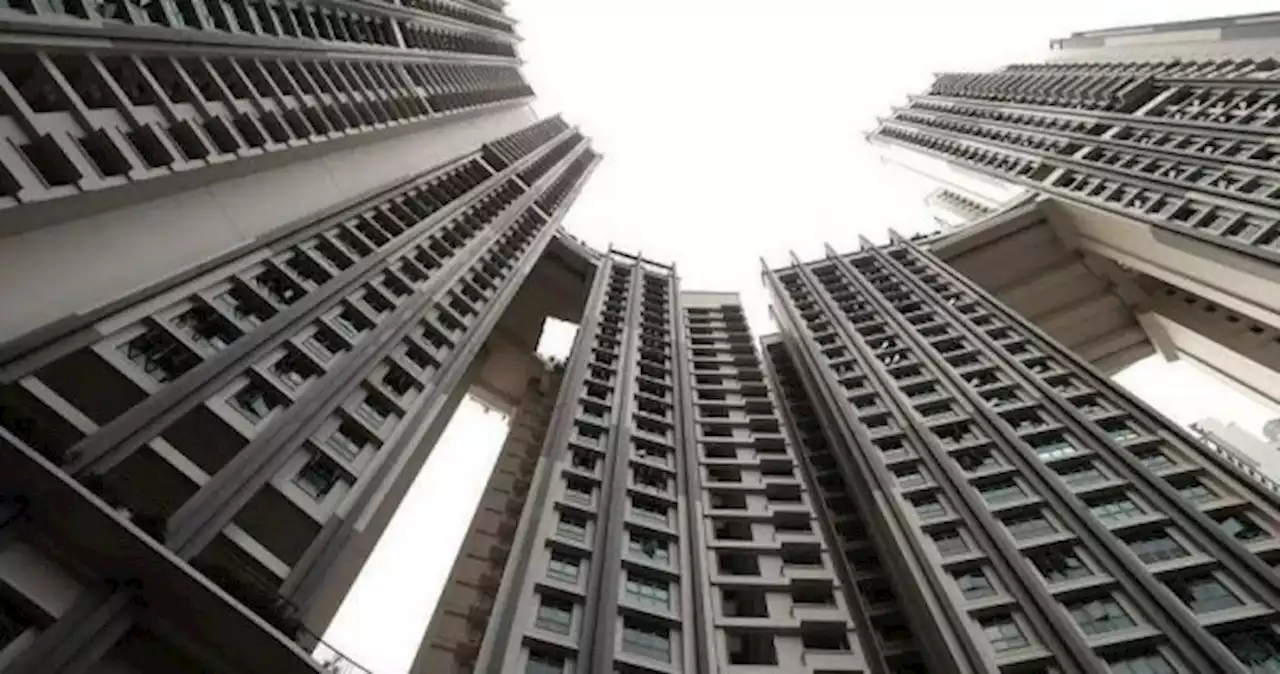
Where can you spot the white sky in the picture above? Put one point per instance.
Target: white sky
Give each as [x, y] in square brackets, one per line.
[733, 129]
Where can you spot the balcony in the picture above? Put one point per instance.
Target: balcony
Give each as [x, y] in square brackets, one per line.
[85, 528]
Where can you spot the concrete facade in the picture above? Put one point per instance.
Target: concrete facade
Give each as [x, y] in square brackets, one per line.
[254, 256]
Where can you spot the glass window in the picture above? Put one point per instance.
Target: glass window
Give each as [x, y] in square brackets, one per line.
[1242, 528]
[578, 491]
[646, 640]
[1060, 564]
[1115, 509]
[1144, 663]
[653, 549]
[255, 402]
[555, 615]
[1053, 447]
[1257, 649]
[1203, 594]
[950, 543]
[374, 410]
[159, 355]
[318, 477]
[648, 509]
[929, 508]
[975, 460]
[207, 329]
[347, 440]
[911, 478]
[1032, 525]
[1153, 459]
[974, 584]
[244, 306]
[572, 527]
[293, 371]
[563, 567]
[278, 287]
[1100, 616]
[1004, 491]
[1197, 492]
[1004, 634]
[1082, 475]
[648, 591]
[1156, 547]
[544, 663]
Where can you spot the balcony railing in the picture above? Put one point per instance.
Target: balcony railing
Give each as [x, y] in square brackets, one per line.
[260, 596]
[333, 661]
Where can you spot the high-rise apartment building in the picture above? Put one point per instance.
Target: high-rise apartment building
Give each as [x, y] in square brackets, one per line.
[666, 527]
[1158, 226]
[253, 256]
[1028, 514]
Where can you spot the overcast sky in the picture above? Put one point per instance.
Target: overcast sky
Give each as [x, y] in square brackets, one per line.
[733, 129]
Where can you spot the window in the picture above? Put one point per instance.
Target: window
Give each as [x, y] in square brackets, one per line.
[325, 345]
[1033, 525]
[208, 330]
[398, 381]
[1241, 528]
[374, 410]
[1153, 459]
[572, 527]
[1004, 491]
[1054, 447]
[646, 640]
[577, 490]
[1118, 431]
[1257, 649]
[1116, 509]
[255, 401]
[159, 355]
[1058, 565]
[347, 440]
[555, 615]
[351, 322]
[1157, 547]
[911, 478]
[974, 584]
[950, 543]
[318, 477]
[648, 591]
[244, 306]
[1197, 492]
[975, 460]
[652, 549]
[1146, 663]
[293, 371]
[1082, 475]
[1203, 594]
[649, 509]
[1004, 634]
[562, 567]
[929, 508]
[544, 663]
[278, 287]
[1100, 616]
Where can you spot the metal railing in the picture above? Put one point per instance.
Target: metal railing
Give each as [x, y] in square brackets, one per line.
[333, 661]
[261, 596]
